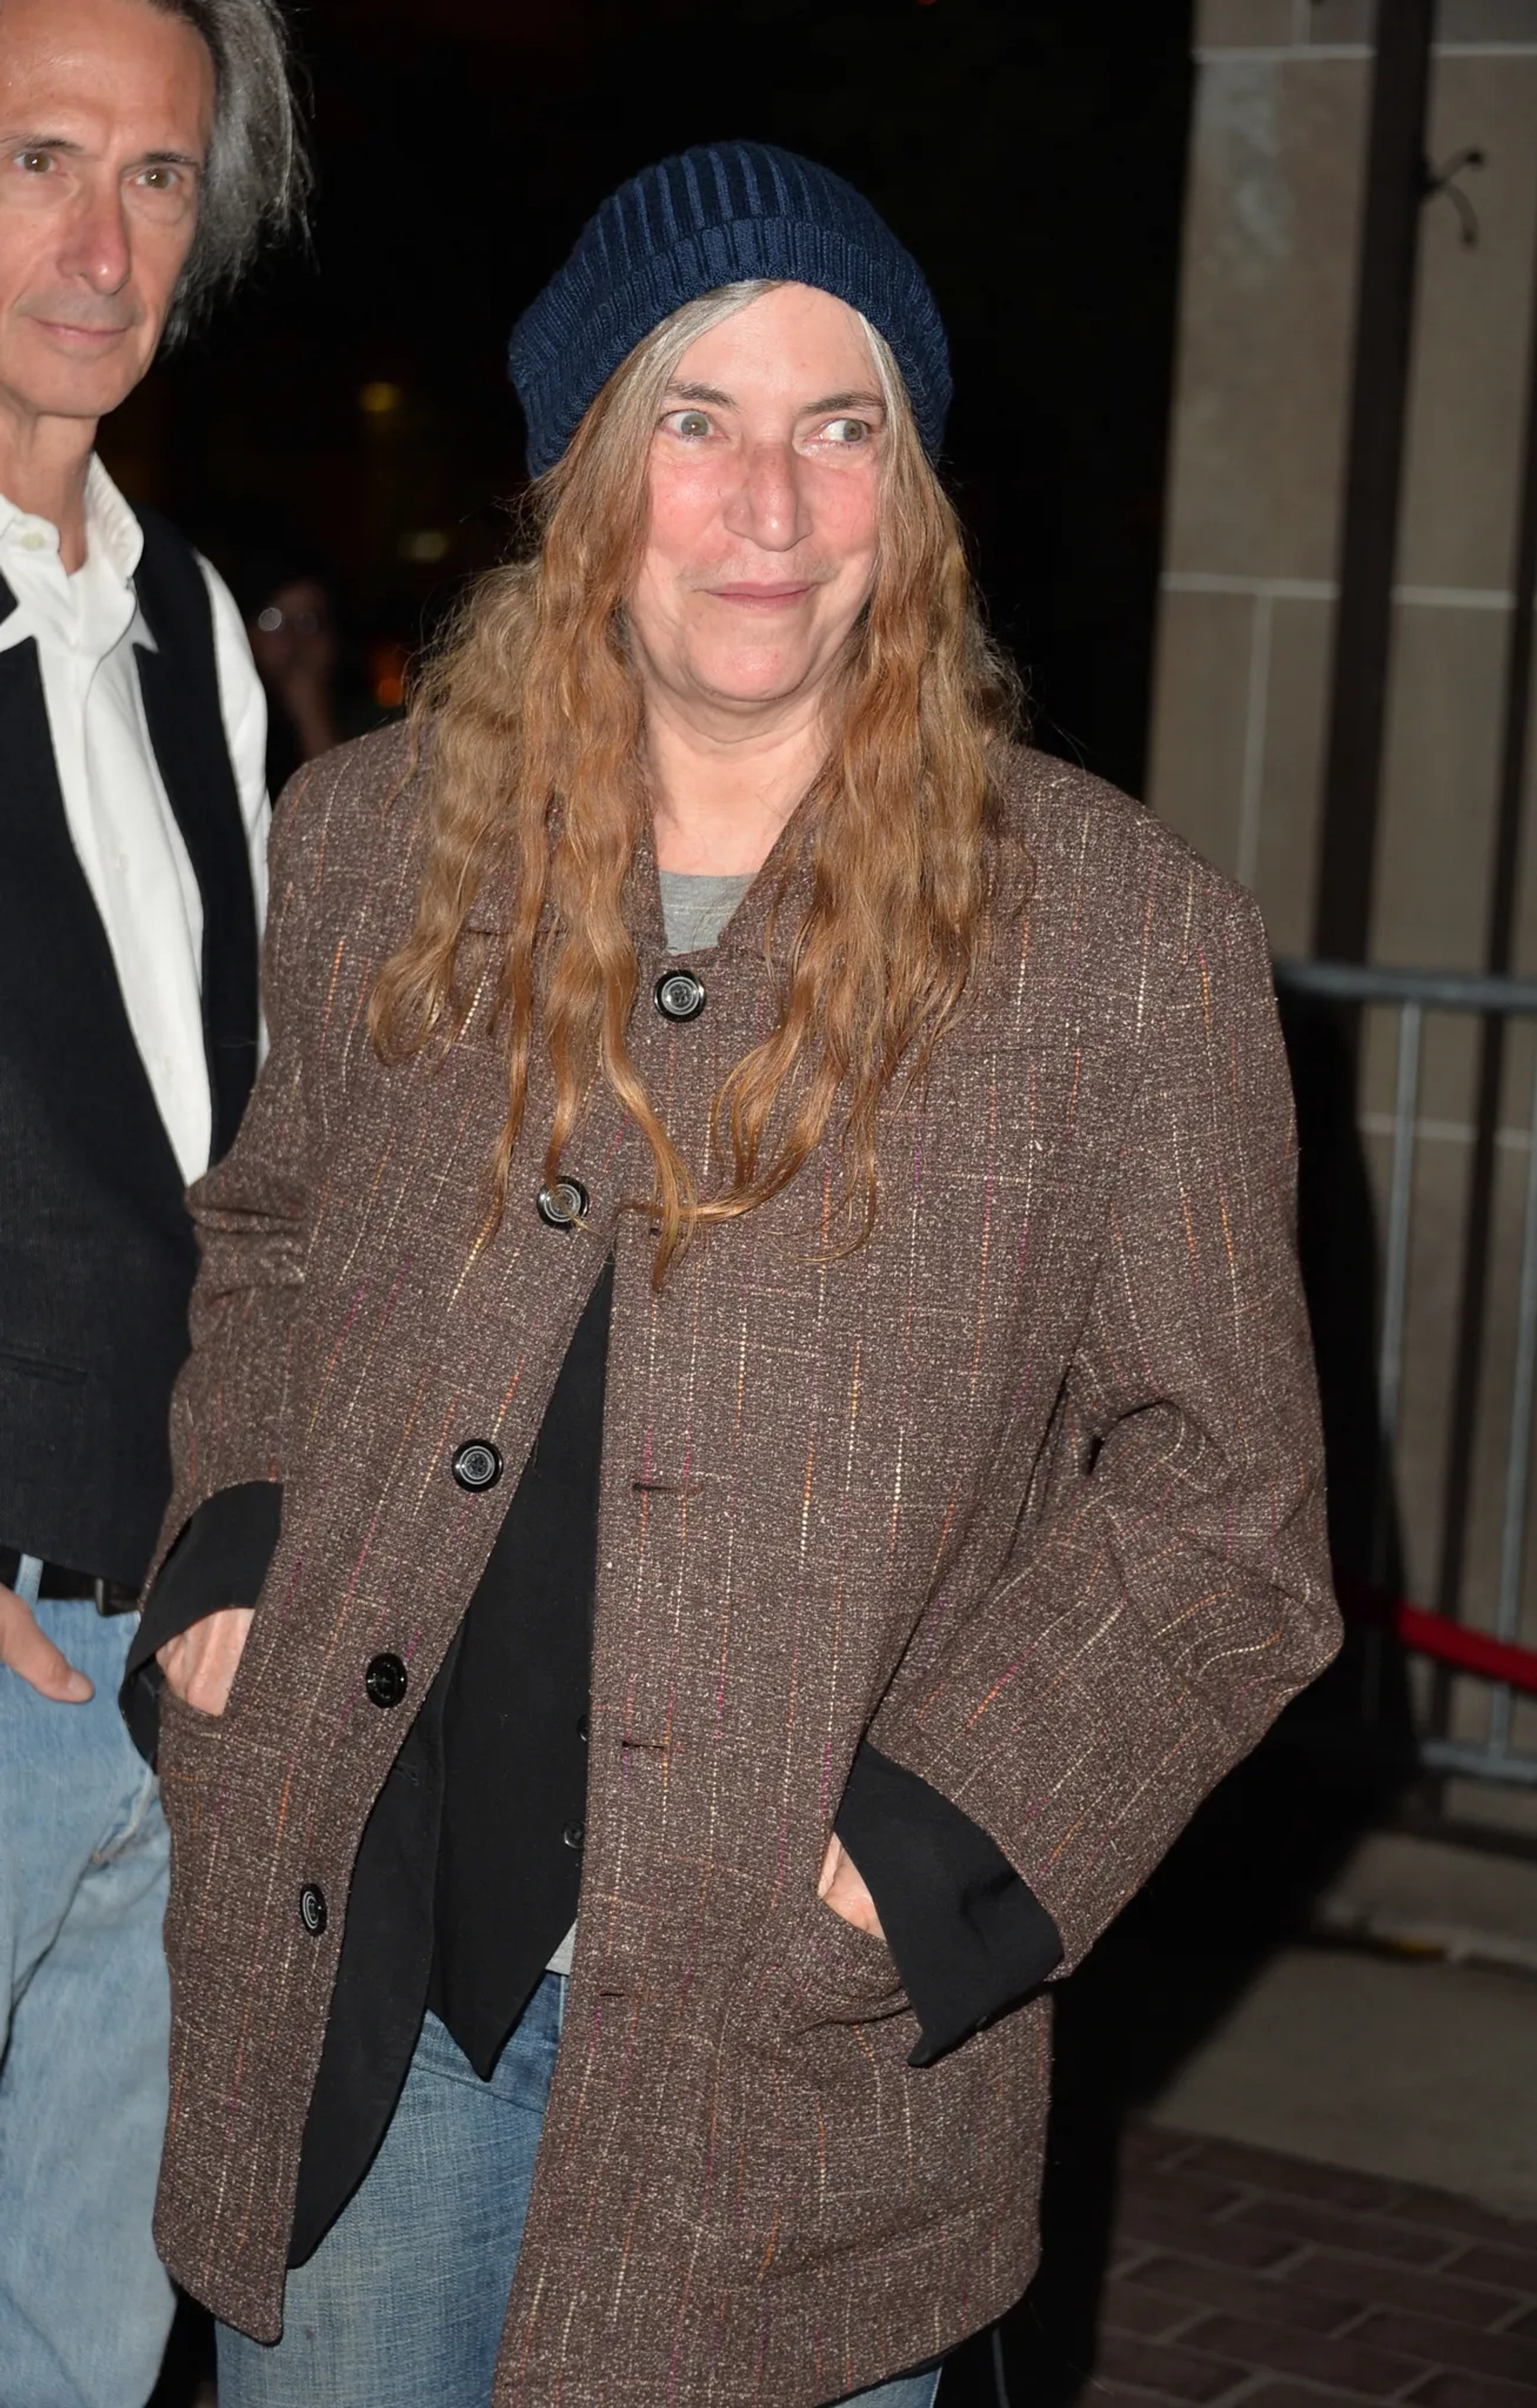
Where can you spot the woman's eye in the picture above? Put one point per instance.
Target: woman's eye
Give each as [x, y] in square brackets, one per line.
[847, 430]
[35, 163]
[692, 425]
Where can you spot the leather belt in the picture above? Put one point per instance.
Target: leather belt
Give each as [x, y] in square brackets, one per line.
[59, 1580]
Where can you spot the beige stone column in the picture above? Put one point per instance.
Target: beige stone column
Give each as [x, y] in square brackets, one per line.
[1254, 511]
[1271, 235]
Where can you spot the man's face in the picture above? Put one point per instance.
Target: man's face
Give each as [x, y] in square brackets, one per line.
[105, 107]
[765, 492]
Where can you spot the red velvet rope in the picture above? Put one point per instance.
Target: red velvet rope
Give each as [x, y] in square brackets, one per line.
[1448, 1641]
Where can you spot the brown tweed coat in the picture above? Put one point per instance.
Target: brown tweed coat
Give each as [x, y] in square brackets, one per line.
[1027, 1491]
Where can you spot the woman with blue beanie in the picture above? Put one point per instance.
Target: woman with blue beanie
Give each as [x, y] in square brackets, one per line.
[750, 1451]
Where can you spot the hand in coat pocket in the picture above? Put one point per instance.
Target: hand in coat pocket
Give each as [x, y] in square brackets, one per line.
[200, 1664]
[840, 1886]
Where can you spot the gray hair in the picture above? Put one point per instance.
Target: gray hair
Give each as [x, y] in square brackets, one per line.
[651, 363]
[257, 176]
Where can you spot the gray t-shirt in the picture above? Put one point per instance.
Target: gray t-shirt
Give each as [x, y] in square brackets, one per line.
[695, 907]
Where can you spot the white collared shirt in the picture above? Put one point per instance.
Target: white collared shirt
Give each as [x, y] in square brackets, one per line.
[119, 814]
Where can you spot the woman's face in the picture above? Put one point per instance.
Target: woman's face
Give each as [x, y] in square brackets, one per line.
[764, 487]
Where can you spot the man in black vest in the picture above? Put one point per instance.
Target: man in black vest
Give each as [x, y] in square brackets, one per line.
[145, 147]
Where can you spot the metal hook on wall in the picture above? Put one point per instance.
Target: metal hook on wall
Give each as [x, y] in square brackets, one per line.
[1434, 180]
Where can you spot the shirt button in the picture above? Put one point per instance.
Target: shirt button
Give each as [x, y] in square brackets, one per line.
[385, 1681]
[476, 1465]
[574, 1834]
[563, 1203]
[312, 1908]
[680, 995]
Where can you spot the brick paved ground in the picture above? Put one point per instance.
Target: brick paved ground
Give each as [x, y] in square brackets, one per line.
[1243, 2279]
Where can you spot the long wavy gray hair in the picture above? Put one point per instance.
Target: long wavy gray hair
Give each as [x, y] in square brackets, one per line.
[257, 177]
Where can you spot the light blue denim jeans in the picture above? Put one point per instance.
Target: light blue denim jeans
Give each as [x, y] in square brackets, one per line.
[402, 2304]
[84, 2020]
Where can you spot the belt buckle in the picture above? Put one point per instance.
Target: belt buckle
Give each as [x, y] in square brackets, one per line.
[111, 1597]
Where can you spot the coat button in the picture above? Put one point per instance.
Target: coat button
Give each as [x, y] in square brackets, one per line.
[581, 1729]
[312, 1908]
[680, 995]
[385, 1681]
[563, 1203]
[476, 1465]
[574, 1834]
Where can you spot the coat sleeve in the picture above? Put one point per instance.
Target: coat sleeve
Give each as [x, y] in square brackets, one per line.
[1172, 1591]
[253, 1210]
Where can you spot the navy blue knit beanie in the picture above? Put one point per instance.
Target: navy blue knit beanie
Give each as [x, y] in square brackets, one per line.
[719, 215]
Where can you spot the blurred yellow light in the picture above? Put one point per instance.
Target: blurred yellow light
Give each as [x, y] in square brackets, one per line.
[380, 400]
[425, 543]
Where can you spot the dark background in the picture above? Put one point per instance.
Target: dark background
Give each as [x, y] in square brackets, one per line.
[1031, 157]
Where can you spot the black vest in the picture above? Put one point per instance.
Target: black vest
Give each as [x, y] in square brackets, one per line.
[97, 1249]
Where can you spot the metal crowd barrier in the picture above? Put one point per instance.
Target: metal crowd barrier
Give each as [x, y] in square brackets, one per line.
[1496, 1657]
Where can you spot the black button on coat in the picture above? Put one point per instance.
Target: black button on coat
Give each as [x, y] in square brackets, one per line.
[476, 1465]
[386, 1681]
[563, 1203]
[680, 995]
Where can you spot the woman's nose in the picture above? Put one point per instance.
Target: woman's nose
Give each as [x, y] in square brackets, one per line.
[768, 505]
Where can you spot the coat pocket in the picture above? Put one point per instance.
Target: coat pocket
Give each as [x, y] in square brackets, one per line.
[185, 1733]
[837, 1973]
[836, 2148]
[190, 1761]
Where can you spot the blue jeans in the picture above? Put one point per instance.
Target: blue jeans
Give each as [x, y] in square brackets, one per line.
[402, 2304]
[84, 2022]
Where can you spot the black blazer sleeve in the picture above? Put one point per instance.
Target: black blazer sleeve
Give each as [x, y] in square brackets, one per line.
[968, 1935]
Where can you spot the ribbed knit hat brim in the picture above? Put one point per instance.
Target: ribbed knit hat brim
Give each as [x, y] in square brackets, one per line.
[722, 214]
